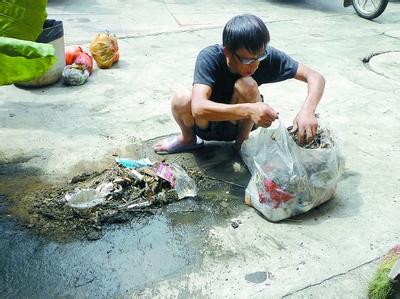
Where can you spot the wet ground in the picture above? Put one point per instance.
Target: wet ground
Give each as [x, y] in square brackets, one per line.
[129, 257]
[144, 249]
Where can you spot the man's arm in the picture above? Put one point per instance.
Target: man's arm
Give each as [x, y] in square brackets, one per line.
[305, 121]
[204, 108]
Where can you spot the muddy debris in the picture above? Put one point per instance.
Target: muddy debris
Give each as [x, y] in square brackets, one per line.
[82, 177]
[323, 139]
[126, 194]
[42, 206]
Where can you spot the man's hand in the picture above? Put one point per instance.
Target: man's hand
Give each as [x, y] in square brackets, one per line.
[306, 124]
[263, 115]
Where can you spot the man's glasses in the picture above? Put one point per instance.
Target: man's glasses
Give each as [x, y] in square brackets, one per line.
[251, 60]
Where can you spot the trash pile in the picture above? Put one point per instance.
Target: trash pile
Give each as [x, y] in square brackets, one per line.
[139, 183]
[289, 179]
[79, 64]
[131, 186]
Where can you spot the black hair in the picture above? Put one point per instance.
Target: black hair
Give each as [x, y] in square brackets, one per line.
[245, 31]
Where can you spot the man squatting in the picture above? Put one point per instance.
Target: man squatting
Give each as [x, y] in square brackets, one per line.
[224, 102]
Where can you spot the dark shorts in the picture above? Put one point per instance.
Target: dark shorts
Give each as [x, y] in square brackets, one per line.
[220, 130]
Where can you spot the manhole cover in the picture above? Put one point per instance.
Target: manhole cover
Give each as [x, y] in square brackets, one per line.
[386, 64]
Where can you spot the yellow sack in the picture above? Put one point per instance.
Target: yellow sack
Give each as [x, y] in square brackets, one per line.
[104, 49]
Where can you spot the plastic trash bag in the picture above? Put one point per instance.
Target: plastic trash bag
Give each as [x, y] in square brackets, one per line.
[74, 75]
[84, 199]
[183, 184]
[86, 60]
[71, 53]
[77, 56]
[287, 179]
[104, 49]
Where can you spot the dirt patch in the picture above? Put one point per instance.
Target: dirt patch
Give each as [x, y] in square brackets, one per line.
[45, 211]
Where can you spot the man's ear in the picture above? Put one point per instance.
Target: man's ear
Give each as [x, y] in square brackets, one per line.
[228, 55]
[227, 52]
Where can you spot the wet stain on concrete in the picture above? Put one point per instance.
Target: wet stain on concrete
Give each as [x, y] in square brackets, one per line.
[17, 166]
[256, 277]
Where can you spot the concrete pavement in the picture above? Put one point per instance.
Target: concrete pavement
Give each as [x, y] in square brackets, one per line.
[330, 252]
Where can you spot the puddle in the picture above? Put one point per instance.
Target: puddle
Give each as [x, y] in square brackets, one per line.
[129, 257]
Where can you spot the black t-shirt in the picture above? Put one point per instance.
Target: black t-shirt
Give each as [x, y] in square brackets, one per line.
[211, 69]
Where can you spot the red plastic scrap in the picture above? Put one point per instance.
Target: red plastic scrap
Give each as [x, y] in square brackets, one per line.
[276, 194]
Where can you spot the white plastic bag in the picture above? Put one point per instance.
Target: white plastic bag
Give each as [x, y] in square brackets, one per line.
[184, 184]
[287, 179]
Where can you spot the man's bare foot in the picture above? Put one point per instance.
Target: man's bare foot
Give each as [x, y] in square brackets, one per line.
[176, 144]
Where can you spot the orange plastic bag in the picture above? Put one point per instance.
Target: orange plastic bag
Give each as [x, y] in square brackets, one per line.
[78, 56]
[71, 54]
[104, 49]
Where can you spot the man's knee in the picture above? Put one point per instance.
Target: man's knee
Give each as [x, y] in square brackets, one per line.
[181, 101]
[246, 88]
